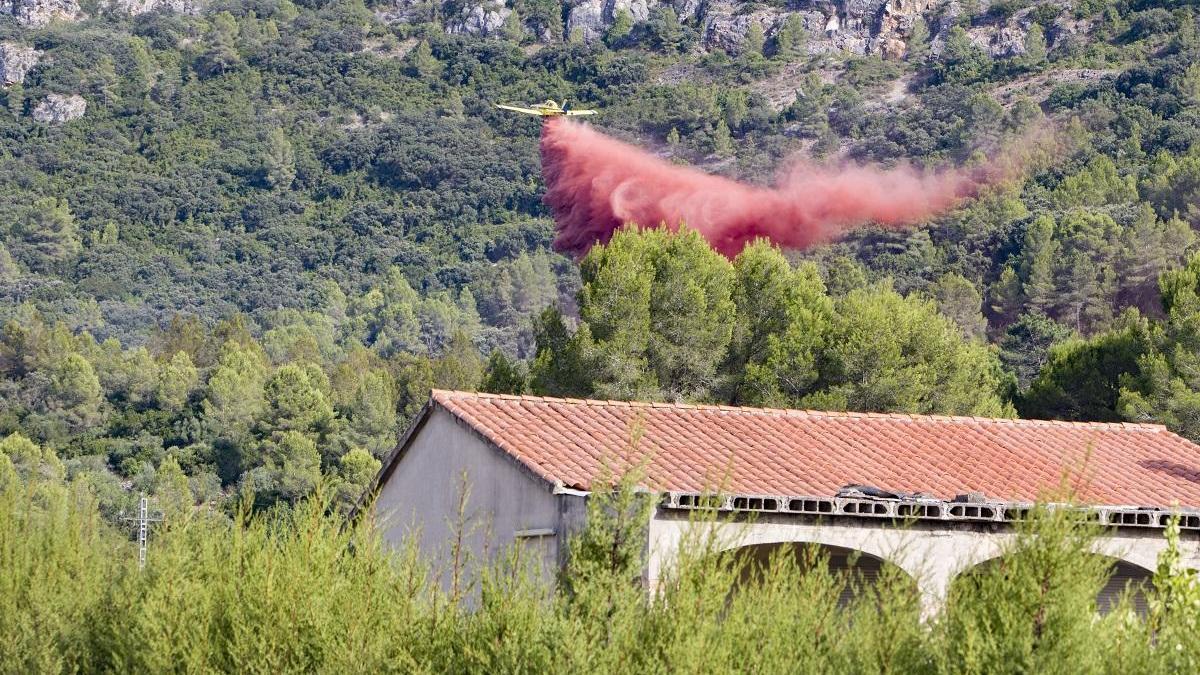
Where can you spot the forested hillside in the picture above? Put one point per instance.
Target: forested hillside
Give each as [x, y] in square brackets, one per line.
[239, 241]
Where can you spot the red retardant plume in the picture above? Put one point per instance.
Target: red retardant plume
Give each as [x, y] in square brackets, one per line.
[596, 184]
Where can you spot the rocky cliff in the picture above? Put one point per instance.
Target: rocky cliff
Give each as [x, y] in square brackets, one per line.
[59, 109]
[135, 7]
[16, 61]
[38, 13]
[484, 18]
[863, 27]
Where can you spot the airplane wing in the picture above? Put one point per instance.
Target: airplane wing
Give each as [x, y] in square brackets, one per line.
[573, 113]
[527, 111]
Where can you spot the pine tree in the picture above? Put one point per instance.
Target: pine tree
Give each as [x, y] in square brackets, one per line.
[722, 140]
[622, 26]
[104, 80]
[234, 396]
[8, 267]
[356, 469]
[503, 376]
[177, 379]
[279, 160]
[1005, 296]
[221, 55]
[958, 299]
[666, 31]
[1035, 48]
[1026, 344]
[14, 99]
[781, 321]
[75, 395]
[296, 400]
[918, 41]
[1189, 84]
[791, 38]
[453, 106]
[893, 353]
[47, 234]
[512, 30]
[422, 63]
[1040, 252]
[559, 366]
[460, 367]
[752, 48]
[292, 469]
[372, 413]
[172, 491]
[30, 461]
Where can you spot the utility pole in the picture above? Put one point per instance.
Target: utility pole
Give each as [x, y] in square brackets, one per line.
[143, 520]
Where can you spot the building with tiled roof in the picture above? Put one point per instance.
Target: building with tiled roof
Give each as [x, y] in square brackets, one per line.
[931, 494]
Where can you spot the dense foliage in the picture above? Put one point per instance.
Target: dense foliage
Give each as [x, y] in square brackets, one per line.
[295, 591]
[278, 224]
[664, 317]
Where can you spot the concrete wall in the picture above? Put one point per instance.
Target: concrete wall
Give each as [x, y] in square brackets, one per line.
[505, 504]
[932, 554]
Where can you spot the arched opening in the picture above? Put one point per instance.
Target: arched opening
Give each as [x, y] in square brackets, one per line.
[857, 570]
[1123, 576]
[1126, 576]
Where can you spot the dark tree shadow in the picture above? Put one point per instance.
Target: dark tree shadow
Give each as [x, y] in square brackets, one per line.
[1175, 469]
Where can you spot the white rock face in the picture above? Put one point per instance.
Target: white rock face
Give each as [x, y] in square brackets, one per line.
[135, 7]
[1006, 39]
[687, 10]
[587, 17]
[58, 109]
[726, 25]
[484, 18]
[38, 13]
[16, 61]
[593, 18]
[862, 27]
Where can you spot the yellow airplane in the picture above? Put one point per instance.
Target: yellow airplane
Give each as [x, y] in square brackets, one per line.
[550, 108]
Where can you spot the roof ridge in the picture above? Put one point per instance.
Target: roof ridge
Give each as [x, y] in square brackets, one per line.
[443, 395]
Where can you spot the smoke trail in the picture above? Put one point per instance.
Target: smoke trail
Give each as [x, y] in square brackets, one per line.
[595, 184]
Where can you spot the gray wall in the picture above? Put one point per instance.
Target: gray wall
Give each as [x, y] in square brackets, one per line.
[421, 499]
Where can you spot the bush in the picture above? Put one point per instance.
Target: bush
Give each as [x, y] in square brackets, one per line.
[299, 590]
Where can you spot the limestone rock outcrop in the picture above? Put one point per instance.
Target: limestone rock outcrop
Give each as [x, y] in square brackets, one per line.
[16, 61]
[135, 7]
[1002, 39]
[481, 18]
[59, 109]
[863, 27]
[896, 21]
[726, 24]
[592, 18]
[402, 11]
[38, 13]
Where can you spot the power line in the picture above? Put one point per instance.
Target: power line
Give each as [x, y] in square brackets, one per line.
[143, 520]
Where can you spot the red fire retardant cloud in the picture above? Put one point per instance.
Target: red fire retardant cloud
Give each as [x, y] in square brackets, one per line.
[596, 184]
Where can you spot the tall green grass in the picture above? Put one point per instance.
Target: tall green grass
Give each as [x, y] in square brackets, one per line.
[298, 590]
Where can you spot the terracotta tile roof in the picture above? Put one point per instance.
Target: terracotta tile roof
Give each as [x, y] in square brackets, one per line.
[807, 453]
